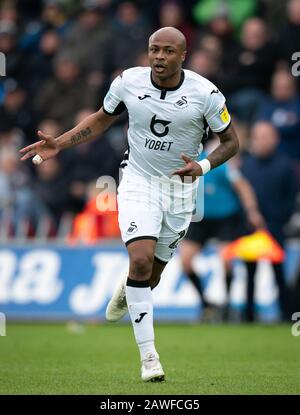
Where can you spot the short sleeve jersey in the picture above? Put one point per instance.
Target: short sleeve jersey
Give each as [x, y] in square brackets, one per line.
[165, 122]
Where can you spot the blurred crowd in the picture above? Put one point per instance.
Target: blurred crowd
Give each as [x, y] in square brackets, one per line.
[61, 56]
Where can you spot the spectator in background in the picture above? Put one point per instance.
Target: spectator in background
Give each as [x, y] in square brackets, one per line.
[289, 37]
[51, 193]
[16, 110]
[9, 46]
[67, 93]
[171, 13]
[52, 17]
[222, 28]
[9, 12]
[218, 38]
[204, 64]
[9, 135]
[282, 109]
[9, 189]
[89, 40]
[251, 71]
[131, 29]
[38, 68]
[273, 180]
[15, 193]
[210, 44]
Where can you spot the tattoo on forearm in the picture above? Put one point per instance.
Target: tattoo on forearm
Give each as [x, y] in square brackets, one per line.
[228, 147]
[80, 136]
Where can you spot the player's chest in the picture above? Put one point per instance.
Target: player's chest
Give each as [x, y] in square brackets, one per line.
[180, 107]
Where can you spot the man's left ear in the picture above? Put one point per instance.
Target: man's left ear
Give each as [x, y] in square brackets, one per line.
[183, 56]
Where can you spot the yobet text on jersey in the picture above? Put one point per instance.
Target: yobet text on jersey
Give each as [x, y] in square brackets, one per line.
[158, 145]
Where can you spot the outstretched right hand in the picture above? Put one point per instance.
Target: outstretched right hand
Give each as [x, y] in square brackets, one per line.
[46, 148]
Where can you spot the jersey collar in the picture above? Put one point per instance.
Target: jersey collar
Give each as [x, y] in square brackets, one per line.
[162, 88]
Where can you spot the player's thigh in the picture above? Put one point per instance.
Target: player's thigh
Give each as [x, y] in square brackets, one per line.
[167, 242]
[142, 247]
[139, 218]
[141, 257]
[145, 250]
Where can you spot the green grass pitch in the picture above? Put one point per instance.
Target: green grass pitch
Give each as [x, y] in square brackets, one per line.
[103, 359]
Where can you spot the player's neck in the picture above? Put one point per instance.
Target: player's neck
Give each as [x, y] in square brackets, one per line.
[172, 82]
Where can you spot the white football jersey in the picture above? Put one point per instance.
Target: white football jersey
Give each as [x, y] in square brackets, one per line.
[165, 122]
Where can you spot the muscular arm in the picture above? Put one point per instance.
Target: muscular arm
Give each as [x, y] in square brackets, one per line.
[88, 129]
[228, 147]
